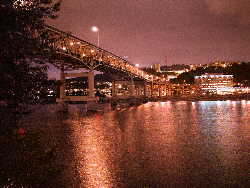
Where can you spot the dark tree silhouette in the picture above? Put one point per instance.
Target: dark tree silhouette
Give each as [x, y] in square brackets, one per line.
[23, 47]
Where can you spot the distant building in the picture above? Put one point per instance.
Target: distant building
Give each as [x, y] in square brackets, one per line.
[79, 86]
[104, 87]
[222, 63]
[194, 66]
[178, 72]
[171, 76]
[215, 84]
[76, 86]
[182, 89]
[156, 67]
[176, 69]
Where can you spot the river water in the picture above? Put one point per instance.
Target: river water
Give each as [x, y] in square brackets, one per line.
[165, 144]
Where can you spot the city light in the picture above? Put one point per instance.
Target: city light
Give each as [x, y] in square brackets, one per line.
[95, 29]
[22, 3]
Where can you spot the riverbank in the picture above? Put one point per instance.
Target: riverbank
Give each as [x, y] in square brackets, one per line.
[118, 104]
[202, 98]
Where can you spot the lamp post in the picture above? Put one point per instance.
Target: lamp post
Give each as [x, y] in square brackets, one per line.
[96, 30]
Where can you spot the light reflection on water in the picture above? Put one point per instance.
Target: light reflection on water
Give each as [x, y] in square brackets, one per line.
[166, 144]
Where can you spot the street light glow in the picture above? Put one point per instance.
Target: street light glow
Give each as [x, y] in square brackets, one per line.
[95, 29]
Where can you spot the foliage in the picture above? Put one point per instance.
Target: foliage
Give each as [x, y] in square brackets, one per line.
[185, 77]
[174, 67]
[240, 72]
[22, 26]
[151, 71]
[27, 85]
[24, 160]
[23, 46]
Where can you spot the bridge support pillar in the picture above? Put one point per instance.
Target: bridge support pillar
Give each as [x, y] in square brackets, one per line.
[145, 89]
[164, 89]
[113, 89]
[91, 84]
[160, 90]
[151, 89]
[132, 88]
[63, 84]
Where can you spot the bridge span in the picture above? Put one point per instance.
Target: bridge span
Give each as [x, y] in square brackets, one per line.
[76, 54]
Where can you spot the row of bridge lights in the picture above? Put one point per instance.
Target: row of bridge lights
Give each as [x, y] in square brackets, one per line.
[92, 51]
[72, 43]
[96, 30]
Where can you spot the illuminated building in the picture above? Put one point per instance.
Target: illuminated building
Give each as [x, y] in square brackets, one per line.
[77, 87]
[182, 89]
[215, 84]
[223, 63]
[169, 77]
[104, 87]
[194, 66]
[156, 67]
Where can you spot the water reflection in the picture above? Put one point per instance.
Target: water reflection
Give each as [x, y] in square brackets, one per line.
[166, 144]
[95, 149]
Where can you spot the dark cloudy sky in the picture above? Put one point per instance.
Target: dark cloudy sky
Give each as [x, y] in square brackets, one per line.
[163, 31]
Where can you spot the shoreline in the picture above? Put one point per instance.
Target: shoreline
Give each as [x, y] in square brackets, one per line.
[201, 98]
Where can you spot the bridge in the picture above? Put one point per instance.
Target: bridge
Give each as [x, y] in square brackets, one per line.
[77, 54]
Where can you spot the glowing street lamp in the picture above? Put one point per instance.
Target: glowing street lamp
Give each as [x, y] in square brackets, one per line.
[96, 30]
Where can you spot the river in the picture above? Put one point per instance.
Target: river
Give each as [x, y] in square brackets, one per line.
[165, 144]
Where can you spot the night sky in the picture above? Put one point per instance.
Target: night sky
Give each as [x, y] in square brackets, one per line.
[162, 31]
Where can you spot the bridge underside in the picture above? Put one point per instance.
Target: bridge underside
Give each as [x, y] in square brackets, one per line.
[67, 63]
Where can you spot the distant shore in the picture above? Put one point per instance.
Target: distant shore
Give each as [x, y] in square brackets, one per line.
[203, 98]
[124, 103]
